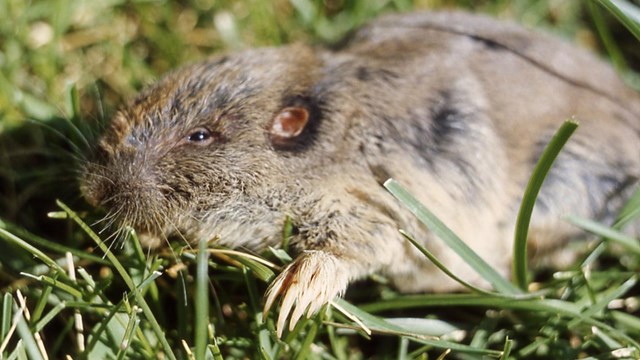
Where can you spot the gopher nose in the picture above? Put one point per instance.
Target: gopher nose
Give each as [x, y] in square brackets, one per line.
[118, 177]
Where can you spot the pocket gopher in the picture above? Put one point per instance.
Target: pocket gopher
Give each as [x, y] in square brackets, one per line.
[456, 107]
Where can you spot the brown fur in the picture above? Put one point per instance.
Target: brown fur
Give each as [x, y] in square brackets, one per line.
[456, 107]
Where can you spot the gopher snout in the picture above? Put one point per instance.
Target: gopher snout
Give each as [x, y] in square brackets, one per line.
[128, 192]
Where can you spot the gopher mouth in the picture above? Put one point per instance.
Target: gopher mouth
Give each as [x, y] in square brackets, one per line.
[154, 240]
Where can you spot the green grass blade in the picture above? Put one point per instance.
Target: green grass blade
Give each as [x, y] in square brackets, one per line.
[48, 317]
[626, 320]
[594, 255]
[427, 327]
[450, 238]
[608, 341]
[605, 300]
[281, 254]
[403, 349]
[252, 289]
[608, 41]
[442, 267]
[42, 243]
[55, 283]
[259, 270]
[263, 336]
[202, 301]
[148, 281]
[529, 199]
[214, 350]
[40, 304]
[113, 324]
[128, 334]
[438, 300]
[547, 306]
[181, 308]
[606, 232]
[34, 251]
[626, 12]
[382, 326]
[305, 349]
[88, 279]
[630, 211]
[7, 302]
[73, 114]
[125, 276]
[28, 338]
[506, 350]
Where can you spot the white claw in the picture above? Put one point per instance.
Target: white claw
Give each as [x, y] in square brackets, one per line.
[311, 281]
[301, 305]
[288, 301]
[272, 293]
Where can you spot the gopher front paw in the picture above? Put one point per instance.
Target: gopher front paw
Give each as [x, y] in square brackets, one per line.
[309, 282]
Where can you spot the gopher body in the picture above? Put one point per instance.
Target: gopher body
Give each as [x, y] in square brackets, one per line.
[455, 107]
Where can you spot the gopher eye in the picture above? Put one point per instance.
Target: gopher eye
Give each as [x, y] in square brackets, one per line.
[200, 136]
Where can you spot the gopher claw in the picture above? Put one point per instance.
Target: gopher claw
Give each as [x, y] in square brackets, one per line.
[311, 281]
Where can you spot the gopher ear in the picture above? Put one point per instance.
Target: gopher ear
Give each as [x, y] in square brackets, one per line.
[289, 123]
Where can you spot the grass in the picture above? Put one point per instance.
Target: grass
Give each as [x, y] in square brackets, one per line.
[66, 65]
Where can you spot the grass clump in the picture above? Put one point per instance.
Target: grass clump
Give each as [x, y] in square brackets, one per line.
[65, 291]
